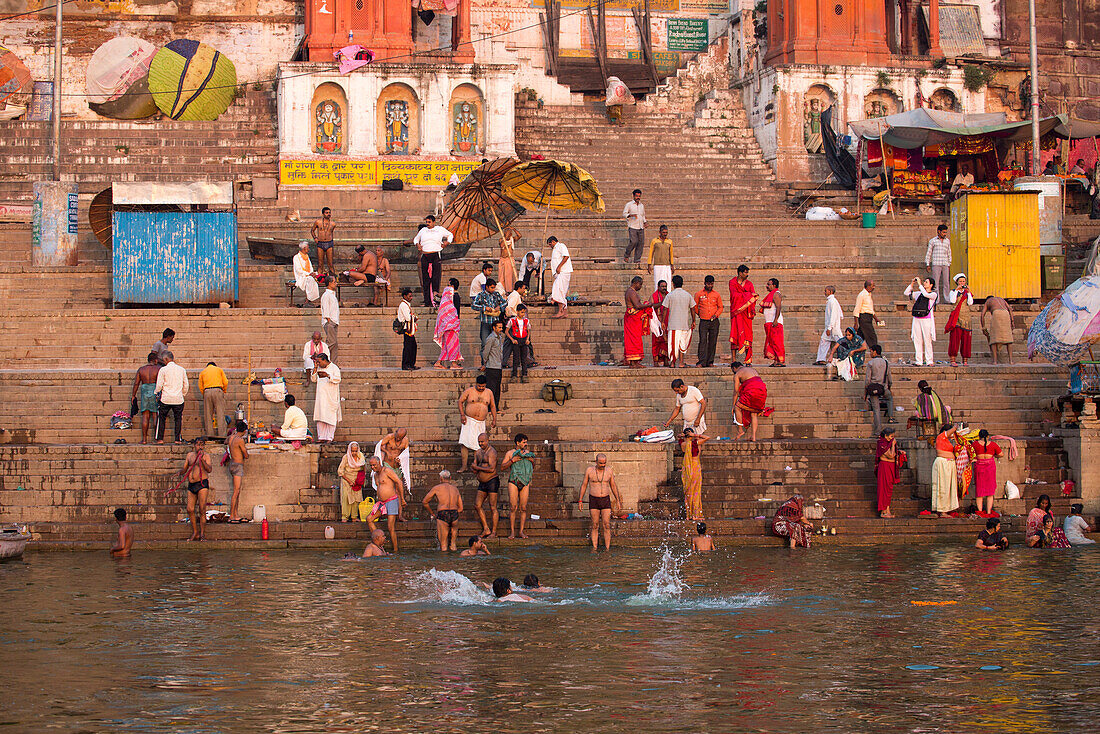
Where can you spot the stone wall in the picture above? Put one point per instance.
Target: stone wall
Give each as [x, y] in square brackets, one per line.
[639, 469]
[254, 34]
[1068, 34]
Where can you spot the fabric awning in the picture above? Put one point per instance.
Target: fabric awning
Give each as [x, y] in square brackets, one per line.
[1074, 129]
[137, 193]
[922, 126]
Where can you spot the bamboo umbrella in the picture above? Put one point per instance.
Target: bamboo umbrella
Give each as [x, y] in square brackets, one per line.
[478, 207]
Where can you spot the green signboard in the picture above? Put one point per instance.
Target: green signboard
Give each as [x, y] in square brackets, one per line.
[687, 34]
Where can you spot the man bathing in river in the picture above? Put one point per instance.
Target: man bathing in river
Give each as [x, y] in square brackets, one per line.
[196, 472]
[392, 446]
[121, 548]
[477, 548]
[502, 590]
[448, 508]
[389, 497]
[376, 546]
[519, 482]
[603, 495]
[475, 405]
[702, 543]
[488, 484]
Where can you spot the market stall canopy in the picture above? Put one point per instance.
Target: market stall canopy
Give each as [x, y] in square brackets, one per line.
[1075, 129]
[922, 126]
[148, 193]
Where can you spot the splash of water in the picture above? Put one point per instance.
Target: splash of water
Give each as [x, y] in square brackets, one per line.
[448, 587]
[666, 588]
[666, 582]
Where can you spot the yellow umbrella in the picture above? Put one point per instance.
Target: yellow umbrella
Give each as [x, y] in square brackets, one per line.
[553, 185]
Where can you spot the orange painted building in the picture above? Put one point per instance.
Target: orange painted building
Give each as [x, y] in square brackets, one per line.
[386, 27]
[841, 32]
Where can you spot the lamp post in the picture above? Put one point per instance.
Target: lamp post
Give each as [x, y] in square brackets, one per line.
[60, 4]
[1034, 89]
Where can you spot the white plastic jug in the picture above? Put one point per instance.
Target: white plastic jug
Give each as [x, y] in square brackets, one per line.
[259, 513]
[330, 532]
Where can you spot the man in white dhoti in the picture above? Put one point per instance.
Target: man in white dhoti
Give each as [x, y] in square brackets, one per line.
[562, 267]
[316, 345]
[326, 405]
[303, 273]
[833, 332]
[476, 404]
[295, 426]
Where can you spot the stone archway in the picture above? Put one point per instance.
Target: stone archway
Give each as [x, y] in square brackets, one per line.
[818, 98]
[945, 100]
[881, 102]
[467, 120]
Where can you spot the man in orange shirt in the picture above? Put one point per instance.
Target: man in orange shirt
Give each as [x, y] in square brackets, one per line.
[708, 307]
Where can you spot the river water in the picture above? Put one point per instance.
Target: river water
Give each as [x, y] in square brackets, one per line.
[910, 638]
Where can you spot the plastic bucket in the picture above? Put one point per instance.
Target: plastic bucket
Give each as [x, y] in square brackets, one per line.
[870, 219]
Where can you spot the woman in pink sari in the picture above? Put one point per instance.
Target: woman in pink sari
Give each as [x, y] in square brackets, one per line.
[447, 329]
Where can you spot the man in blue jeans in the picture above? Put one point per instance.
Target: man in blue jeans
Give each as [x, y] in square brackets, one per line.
[489, 306]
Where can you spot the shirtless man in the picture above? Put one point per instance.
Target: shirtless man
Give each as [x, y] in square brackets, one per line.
[488, 484]
[392, 446]
[323, 232]
[599, 485]
[502, 590]
[367, 270]
[477, 548]
[746, 405]
[196, 472]
[389, 497]
[474, 406]
[376, 546]
[238, 453]
[519, 482]
[448, 508]
[702, 543]
[144, 392]
[125, 541]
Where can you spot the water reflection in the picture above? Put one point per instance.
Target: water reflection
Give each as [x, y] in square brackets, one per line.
[757, 639]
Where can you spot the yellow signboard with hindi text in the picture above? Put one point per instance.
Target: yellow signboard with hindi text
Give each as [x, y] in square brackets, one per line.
[414, 172]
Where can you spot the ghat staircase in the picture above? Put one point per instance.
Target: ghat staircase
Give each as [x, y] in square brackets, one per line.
[67, 358]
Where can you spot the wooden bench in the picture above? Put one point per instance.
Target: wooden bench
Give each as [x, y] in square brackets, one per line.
[341, 286]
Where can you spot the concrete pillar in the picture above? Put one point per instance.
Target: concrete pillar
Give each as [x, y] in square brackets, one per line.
[54, 226]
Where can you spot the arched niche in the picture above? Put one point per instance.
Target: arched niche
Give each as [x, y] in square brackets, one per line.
[329, 109]
[945, 100]
[880, 103]
[466, 112]
[818, 98]
[398, 116]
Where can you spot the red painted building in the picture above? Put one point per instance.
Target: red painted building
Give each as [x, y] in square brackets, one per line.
[389, 28]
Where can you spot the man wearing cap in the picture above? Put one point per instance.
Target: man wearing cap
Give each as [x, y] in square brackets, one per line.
[958, 324]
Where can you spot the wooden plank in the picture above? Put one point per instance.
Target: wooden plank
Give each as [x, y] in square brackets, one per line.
[644, 41]
[551, 54]
[600, 59]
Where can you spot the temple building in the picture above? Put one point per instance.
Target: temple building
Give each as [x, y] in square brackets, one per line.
[861, 59]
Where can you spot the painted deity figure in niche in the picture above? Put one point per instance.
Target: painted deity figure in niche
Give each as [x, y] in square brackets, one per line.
[464, 137]
[397, 126]
[876, 108]
[330, 127]
[812, 129]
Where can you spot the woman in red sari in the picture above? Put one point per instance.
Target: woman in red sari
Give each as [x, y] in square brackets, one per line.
[658, 324]
[789, 523]
[886, 469]
[634, 324]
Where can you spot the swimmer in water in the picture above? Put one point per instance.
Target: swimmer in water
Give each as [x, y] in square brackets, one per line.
[121, 548]
[502, 590]
[477, 547]
[702, 543]
[531, 582]
[377, 545]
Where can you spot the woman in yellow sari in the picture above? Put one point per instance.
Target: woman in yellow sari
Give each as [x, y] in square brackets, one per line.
[691, 473]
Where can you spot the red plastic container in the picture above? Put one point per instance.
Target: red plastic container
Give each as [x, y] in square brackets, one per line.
[263, 530]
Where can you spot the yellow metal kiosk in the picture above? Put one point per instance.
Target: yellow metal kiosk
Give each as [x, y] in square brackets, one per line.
[995, 241]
